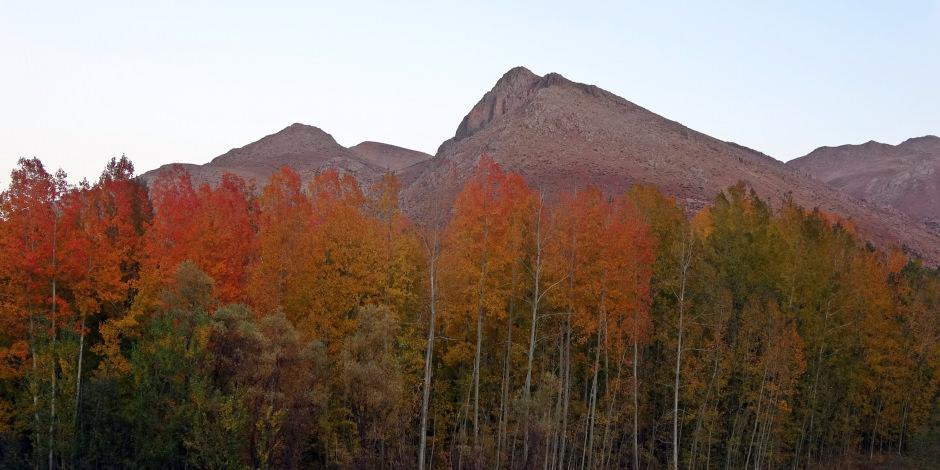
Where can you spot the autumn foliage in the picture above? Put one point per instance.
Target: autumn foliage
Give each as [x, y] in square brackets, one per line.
[285, 324]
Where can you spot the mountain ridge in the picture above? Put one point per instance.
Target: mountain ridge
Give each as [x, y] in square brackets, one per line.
[562, 135]
[904, 177]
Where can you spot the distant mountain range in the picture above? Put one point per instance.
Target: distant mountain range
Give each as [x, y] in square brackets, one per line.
[905, 177]
[308, 150]
[561, 135]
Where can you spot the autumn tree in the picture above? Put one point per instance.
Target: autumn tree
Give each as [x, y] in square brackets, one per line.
[223, 238]
[32, 310]
[483, 241]
[283, 226]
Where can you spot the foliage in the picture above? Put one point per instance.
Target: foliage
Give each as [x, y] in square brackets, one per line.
[284, 327]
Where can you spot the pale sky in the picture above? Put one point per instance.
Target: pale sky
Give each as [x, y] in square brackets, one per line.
[81, 82]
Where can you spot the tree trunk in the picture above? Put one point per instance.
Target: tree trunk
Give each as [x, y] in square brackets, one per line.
[760, 398]
[608, 439]
[901, 432]
[636, 393]
[52, 350]
[684, 264]
[675, 396]
[78, 376]
[536, 297]
[567, 394]
[874, 431]
[589, 447]
[476, 378]
[708, 392]
[34, 386]
[504, 395]
[812, 410]
[434, 248]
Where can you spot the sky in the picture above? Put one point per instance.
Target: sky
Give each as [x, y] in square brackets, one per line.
[81, 82]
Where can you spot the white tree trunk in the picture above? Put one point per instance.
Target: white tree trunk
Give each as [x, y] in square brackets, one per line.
[434, 249]
[685, 262]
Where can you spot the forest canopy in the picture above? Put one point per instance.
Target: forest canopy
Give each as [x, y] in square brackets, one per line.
[313, 324]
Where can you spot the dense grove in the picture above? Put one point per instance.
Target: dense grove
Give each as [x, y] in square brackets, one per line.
[316, 326]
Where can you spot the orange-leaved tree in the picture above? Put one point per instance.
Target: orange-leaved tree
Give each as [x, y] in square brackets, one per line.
[483, 243]
[283, 226]
[224, 236]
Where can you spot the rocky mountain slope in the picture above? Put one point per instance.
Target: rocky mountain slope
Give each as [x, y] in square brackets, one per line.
[905, 177]
[307, 149]
[561, 135]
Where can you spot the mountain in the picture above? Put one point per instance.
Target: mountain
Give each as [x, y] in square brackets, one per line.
[905, 177]
[307, 149]
[389, 157]
[561, 135]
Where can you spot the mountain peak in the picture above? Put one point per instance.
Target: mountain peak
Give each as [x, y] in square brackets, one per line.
[298, 128]
[561, 135]
[518, 72]
[510, 91]
[928, 143]
[294, 140]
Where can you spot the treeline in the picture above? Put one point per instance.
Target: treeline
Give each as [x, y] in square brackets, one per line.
[316, 326]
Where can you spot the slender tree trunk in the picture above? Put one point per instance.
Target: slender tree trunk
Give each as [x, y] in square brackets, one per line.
[757, 416]
[711, 385]
[479, 345]
[766, 434]
[476, 378]
[685, 262]
[567, 380]
[636, 406]
[504, 395]
[567, 394]
[78, 377]
[812, 409]
[536, 274]
[558, 431]
[34, 386]
[608, 439]
[589, 447]
[708, 453]
[53, 351]
[874, 431]
[434, 249]
[901, 431]
[535, 300]
[675, 396]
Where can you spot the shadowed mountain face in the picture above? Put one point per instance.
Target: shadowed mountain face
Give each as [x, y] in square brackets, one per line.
[905, 177]
[561, 135]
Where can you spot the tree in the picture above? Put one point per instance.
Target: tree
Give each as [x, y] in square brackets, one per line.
[482, 241]
[223, 238]
[338, 274]
[30, 212]
[282, 234]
